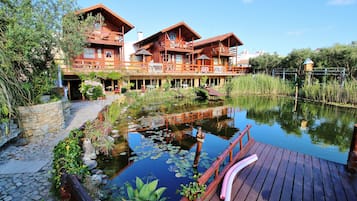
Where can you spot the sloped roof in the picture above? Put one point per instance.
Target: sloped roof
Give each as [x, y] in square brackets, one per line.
[143, 52]
[108, 15]
[187, 31]
[234, 40]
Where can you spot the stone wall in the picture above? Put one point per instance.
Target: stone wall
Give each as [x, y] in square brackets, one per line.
[40, 119]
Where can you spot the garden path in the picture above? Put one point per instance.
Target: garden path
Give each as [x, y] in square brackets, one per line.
[25, 170]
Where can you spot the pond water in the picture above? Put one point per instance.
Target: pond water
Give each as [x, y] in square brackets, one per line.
[154, 149]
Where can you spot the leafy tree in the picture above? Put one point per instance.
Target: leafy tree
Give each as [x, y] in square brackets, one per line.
[32, 32]
[296, 58]
[265, 63]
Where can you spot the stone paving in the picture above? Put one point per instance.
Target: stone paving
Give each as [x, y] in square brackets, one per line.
[32, 181]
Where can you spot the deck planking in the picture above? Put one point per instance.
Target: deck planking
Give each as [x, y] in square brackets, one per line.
[280, 174]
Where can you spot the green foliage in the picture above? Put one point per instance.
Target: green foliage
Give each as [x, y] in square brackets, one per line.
[203, 81]
[193, 190]
[145, 191]
[331, 92]
[265, 63]
[30, 34]
[167, 84]
[261, 84]
[108, 75]
[88, 76]
[228, 86]
[67, 158]
[113, 112]
[91, 92]
[201, 92]
[98, 132]
[74, 32]
[335, 56]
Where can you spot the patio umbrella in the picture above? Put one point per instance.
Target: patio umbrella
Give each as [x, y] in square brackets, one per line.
[203, 57]
[143, 53]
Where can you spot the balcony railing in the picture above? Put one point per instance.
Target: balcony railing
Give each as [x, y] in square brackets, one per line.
[87, 65]
[223, 51]
[176, 44]
[110, 38]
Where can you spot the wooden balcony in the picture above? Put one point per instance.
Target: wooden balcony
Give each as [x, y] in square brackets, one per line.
[178, 46]
[149, 68]
[223, 51]
[106, 38]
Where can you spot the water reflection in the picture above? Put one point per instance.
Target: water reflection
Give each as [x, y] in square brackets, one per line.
[161, 141]
[326, 129]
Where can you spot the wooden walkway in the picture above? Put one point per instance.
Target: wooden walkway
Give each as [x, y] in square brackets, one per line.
[280, 174]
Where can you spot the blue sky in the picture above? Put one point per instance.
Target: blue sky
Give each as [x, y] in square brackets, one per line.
[270, 25]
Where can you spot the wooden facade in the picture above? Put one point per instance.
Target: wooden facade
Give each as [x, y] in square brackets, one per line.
[219, 51]
[172, 47]
[169, 53]
[106, 41]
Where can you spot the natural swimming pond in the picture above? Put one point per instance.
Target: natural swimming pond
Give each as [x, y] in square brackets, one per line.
[157, 149]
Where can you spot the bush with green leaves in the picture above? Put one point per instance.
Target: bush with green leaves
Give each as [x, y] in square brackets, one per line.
[91, 92]
[145, 191]
[193, 190]
[67, 158]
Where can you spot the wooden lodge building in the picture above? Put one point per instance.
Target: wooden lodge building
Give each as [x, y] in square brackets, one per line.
[173, 54]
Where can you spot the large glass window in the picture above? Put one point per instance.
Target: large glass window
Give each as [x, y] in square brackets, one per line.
[89, 53]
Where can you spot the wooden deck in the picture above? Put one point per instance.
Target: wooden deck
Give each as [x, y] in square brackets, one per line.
[280, 174]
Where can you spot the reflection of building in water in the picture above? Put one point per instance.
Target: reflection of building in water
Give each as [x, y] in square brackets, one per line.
[215, 120]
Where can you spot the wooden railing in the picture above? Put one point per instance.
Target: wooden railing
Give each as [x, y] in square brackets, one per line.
[110, 37]
[176, 44]
[91, 65]
[217, 171]
[223, 50]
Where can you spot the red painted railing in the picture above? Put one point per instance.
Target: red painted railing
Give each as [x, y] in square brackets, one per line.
[216, 171]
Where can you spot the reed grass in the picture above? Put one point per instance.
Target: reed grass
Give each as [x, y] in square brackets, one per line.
[332, 92]
[261, 84]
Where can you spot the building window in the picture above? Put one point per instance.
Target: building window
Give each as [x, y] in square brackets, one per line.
[172, 36]
[179, 59]
[89, 53]
[99, 53]
[109, 55]
[97, 26]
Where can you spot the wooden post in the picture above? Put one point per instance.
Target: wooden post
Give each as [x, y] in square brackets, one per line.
[200, 137]
[352, 156]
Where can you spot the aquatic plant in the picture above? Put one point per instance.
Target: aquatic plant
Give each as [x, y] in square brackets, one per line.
[145, 192]
[192, 191]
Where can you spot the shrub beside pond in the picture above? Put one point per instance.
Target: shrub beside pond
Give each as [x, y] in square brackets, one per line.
[67, 158]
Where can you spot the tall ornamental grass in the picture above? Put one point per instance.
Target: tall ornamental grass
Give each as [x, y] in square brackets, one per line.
[262, 85]
[332, 92]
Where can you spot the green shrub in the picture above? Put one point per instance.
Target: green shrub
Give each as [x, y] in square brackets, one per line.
[91, 92]
[67, 158]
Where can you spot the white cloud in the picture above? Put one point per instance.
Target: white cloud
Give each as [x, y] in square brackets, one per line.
[341, 2]
[247, 1]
